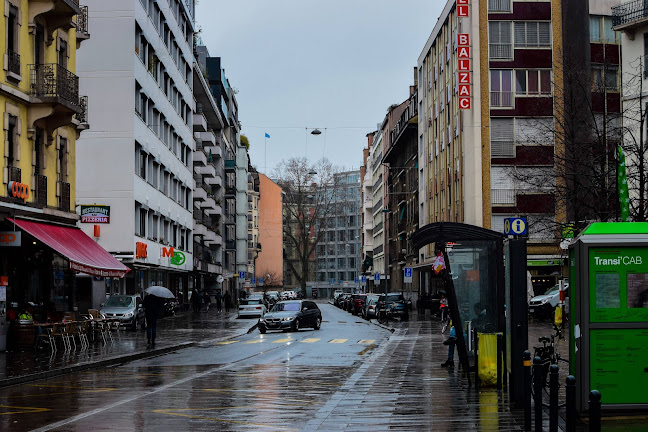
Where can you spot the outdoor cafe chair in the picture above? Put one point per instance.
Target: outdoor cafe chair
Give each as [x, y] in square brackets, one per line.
[46, 338]
[69, 330]
[81, 332]
[58, 331]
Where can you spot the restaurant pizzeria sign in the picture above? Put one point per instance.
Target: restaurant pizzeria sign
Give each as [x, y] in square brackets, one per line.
[95, 214]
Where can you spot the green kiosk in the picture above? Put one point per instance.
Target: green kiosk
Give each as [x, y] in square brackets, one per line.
[608, 320]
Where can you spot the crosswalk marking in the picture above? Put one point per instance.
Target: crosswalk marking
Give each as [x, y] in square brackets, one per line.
[282, 340]
[310, 340]
[254, 341]
[225, 342]
[338, 340]
[366, 341]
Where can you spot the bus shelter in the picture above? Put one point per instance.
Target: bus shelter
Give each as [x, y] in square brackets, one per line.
[473, 278]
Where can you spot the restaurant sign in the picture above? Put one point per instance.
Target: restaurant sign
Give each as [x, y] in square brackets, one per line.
[95, 214]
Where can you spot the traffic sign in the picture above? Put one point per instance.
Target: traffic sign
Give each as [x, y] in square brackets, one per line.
[332, 281]
[515, 226]
[377, 277]
[363, 280]
[408, 275]
[253, 281]
[357, 280]
[241, 275]
[260, 281]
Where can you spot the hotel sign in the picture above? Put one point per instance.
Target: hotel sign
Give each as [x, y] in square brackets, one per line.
[463, 59]
[95, 214]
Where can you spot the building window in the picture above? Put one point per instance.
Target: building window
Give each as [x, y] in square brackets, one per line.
[499, 40]
[532, 34]
[502, 142]
[13, 38]
[532, 82]
[499, 5]
[601, 30]
[608, 75]
[63, 53]
[501, 88]
[11, 141]
[63, 160]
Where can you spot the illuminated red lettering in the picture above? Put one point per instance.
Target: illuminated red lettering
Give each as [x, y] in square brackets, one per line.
[464, 77]
[464, 90]
[463, 52]
[140, 250]
[463, 39]
[462, 11]
[463, 64]
[167, 252]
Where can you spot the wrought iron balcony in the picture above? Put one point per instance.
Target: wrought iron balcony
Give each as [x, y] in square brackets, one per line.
[82, 24]
[14, 173]
[52, 82]
[627, 14]
[82, 117]
[14, 62]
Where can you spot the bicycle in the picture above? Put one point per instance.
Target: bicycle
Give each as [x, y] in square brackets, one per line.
[549, 355]
[383, 315]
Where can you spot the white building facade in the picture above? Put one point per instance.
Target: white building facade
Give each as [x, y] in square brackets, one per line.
[138, 160]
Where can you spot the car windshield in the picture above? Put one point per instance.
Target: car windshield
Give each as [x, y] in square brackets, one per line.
[250, 302]
[286, 307]
[394, 297]
[553, 290]
[119, 301]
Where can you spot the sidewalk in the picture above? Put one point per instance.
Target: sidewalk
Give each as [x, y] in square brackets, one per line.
[183, 330]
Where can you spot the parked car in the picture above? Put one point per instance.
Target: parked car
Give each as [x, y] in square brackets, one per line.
[337, 292]
[544, 304]
[396, 303]
[251, 307]
[291, 315]
[339, 300]
[369, 308]
[288, 295]
[127, 308]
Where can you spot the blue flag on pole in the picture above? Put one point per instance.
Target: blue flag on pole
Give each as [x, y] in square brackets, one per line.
[267, 135]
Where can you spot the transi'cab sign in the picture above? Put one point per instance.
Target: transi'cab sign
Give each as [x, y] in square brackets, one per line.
[621, 260]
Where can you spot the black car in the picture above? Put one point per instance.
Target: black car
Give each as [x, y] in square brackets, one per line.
[291, 315]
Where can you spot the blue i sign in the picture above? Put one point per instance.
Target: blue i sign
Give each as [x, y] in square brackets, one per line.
[515, 226]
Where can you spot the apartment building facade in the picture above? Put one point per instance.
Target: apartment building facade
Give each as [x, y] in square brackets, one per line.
[44, 258]
[486, 88]
[138, 160]
[366, 179]
[209, 172]
[269, 263]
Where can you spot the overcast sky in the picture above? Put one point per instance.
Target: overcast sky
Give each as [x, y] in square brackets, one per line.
[336, 65]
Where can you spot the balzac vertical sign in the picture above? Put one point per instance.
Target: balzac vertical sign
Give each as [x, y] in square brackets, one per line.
[463, 58]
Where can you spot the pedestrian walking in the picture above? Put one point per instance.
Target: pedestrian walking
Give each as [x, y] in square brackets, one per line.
[152, 308]
[227, 298]
[206, 301]
[196, 300]
[219, 301]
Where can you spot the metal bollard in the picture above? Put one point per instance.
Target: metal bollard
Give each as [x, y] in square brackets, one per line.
[526, 363]
[570, 406]
[595, 411]
[553, 398]
[537, 390]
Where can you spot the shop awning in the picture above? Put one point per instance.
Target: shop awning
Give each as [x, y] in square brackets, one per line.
[85, 255]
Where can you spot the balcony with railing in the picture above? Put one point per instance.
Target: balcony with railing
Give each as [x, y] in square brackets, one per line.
[406, 119]
[51, 83]
[82, 117]
[54, 14]
[503, 196]
[64, 196]
[629, 15]
[82, 32]
[502, 99]
[13, 64]
[500, 51]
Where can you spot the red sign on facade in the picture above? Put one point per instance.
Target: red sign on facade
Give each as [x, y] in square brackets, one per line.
[464, 90]
[462, 11]
[167, 252]
[140, 250]
[463, 58]
[464, 103]
[463, 39]
[464, 77]
[463, 64]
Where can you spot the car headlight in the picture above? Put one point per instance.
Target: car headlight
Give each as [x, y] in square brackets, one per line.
[261, 320]
[289, 318]
[128, 314]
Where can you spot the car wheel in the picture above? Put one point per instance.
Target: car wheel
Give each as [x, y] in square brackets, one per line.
[295, 326]
[262, 330]
[318, 323]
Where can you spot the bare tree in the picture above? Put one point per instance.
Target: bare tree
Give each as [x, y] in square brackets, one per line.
[309, 199]
[270, 278]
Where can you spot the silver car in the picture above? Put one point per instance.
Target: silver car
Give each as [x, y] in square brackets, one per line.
[126, 308]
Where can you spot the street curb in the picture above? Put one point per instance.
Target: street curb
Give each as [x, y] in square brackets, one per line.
[109, 362]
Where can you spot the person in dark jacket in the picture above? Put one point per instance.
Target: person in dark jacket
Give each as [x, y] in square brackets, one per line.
[206, 301]
[227, 299]
[152, 308]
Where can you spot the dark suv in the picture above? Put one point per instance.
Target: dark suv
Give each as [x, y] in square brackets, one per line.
[396, 303]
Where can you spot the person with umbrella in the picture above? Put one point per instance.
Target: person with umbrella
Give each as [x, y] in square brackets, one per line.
[153, 304]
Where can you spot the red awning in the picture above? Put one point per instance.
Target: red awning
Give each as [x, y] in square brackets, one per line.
[84, 253]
